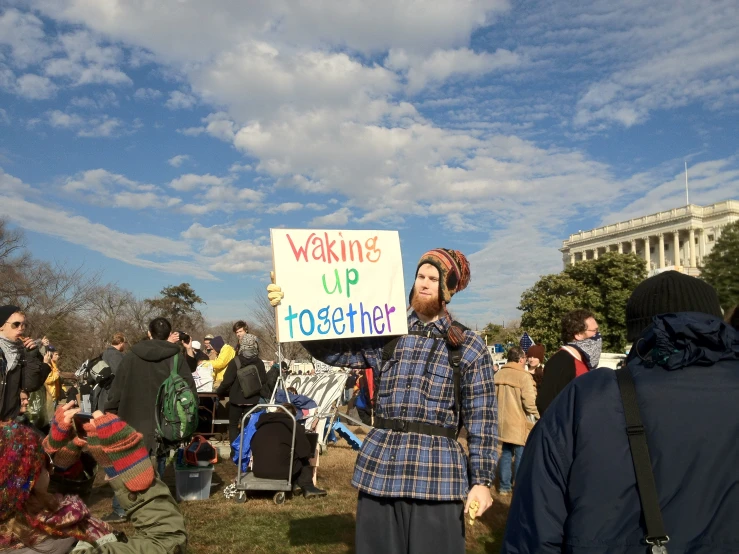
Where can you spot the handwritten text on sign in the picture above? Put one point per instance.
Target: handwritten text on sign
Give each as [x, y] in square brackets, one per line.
[338, 284]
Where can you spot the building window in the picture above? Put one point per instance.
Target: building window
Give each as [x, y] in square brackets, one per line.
[710, 238]
[651, 249]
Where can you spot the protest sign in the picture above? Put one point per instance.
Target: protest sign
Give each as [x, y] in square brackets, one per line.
[338, 284]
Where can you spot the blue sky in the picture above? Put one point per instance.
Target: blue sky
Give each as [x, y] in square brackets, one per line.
[159, 141]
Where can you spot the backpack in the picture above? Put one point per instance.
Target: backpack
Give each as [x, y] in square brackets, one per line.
[455, 358]
[94, 376]
[176, 411]
[249, 378]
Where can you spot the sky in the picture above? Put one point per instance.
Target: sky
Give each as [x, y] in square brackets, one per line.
[158, 141]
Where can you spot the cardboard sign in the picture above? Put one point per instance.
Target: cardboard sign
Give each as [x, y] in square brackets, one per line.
[338, 284]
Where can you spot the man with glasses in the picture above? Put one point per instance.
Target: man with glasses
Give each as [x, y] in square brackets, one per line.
[579, 354]
[21, 365]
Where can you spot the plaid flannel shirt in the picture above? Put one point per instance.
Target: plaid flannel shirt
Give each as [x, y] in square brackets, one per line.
[414, 387]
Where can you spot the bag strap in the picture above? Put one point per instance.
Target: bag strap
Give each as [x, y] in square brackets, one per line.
[656, 536]
[175, 365]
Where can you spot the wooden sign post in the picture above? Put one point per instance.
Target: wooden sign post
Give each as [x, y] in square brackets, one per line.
[338, 284]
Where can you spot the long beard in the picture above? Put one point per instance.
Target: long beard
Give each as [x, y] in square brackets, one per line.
[428, 307]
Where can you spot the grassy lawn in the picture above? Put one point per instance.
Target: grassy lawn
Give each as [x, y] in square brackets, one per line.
[323, 525]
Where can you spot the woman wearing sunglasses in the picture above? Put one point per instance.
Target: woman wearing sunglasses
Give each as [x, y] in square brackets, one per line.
[33, 520]
[21, 365]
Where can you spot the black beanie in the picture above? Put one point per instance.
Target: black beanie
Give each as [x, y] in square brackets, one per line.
[668, 293]
[6, 312]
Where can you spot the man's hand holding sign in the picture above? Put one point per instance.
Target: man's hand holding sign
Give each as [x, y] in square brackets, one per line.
[412, 474]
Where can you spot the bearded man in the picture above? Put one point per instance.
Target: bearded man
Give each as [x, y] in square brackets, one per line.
[414, 479]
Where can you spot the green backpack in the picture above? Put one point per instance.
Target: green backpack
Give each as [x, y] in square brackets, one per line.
[176, 411]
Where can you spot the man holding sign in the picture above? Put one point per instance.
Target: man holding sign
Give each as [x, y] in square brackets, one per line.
[414, 479]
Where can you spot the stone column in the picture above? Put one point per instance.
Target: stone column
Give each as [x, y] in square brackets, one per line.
[647, 256]
[572, 258]
[661, 250]
[633, 246]
[701, 244]
[620, 247]
[691, 235]
[676, 248]
[595, 253]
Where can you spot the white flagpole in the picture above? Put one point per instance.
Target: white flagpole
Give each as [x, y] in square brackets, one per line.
[687, 194]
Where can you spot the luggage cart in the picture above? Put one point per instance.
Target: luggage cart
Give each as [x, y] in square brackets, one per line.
[246, 482]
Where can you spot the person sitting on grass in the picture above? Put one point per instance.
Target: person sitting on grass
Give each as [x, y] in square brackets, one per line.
[271, 446]
[33, 520]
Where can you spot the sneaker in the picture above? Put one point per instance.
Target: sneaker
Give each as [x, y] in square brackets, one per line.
[114, 518]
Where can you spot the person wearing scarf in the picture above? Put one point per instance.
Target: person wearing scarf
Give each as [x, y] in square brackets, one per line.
[21, 366]
[579, 354]
[33, 520]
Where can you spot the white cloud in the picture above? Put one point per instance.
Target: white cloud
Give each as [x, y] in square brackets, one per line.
[238, 168]
[34, 87]
[178, 160]
[99, 101]
[94, 127]
[190, 181]
[147, 94]
[180, 101]
[101, 187]
[24, 34]
[138, 249]
[339, 218]
[443, 64]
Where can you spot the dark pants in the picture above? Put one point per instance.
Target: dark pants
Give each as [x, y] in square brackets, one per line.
[407, 526]
[365, 415]
[235, 413]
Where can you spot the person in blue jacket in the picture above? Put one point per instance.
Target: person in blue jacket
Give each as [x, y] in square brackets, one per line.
[577, 492]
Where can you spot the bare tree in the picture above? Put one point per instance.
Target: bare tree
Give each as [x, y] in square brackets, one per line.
[266, 331]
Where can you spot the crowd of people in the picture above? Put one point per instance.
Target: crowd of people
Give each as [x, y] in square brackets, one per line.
[565, 439]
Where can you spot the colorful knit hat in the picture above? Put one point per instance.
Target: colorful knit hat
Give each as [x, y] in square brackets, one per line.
[22, 461]
[454, 271]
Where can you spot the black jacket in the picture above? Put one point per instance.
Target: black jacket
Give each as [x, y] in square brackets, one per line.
[134, 391]
[28, 375]
[271, 444]
[558, 373]
[230, 385]
[576, 489]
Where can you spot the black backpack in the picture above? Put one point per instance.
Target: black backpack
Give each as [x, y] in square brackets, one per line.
[455, 358]
[249, 378]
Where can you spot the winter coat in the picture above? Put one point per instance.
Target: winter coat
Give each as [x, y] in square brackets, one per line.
[560, 370]
[133, 393]
[29, 375]
[231, 387]
[156, 518]
[514, 390]
[113, 357]
[576, 488]
[271, 444]
[220, 364]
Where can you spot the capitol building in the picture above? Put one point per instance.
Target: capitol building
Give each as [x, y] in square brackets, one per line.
[674, 239]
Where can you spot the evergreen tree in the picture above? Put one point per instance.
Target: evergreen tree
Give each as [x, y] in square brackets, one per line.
[721, 268]
[602, 286]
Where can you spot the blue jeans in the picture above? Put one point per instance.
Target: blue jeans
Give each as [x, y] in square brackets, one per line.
[509, 451]
[161, 464]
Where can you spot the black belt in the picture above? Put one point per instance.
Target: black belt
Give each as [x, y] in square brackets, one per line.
[402, 426]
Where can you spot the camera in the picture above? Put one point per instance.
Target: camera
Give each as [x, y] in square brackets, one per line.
[184, 337]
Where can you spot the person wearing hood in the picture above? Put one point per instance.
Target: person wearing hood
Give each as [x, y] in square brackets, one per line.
[230, 386]
[21, 365]
[577, 489]
[271, 446]
[133, 394]
[225, 353]
[580, 354]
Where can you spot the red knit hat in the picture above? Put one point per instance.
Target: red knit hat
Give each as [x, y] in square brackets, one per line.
[22, 461]
[454, 271]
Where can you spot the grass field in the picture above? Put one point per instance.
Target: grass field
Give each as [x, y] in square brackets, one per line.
[299, 526]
